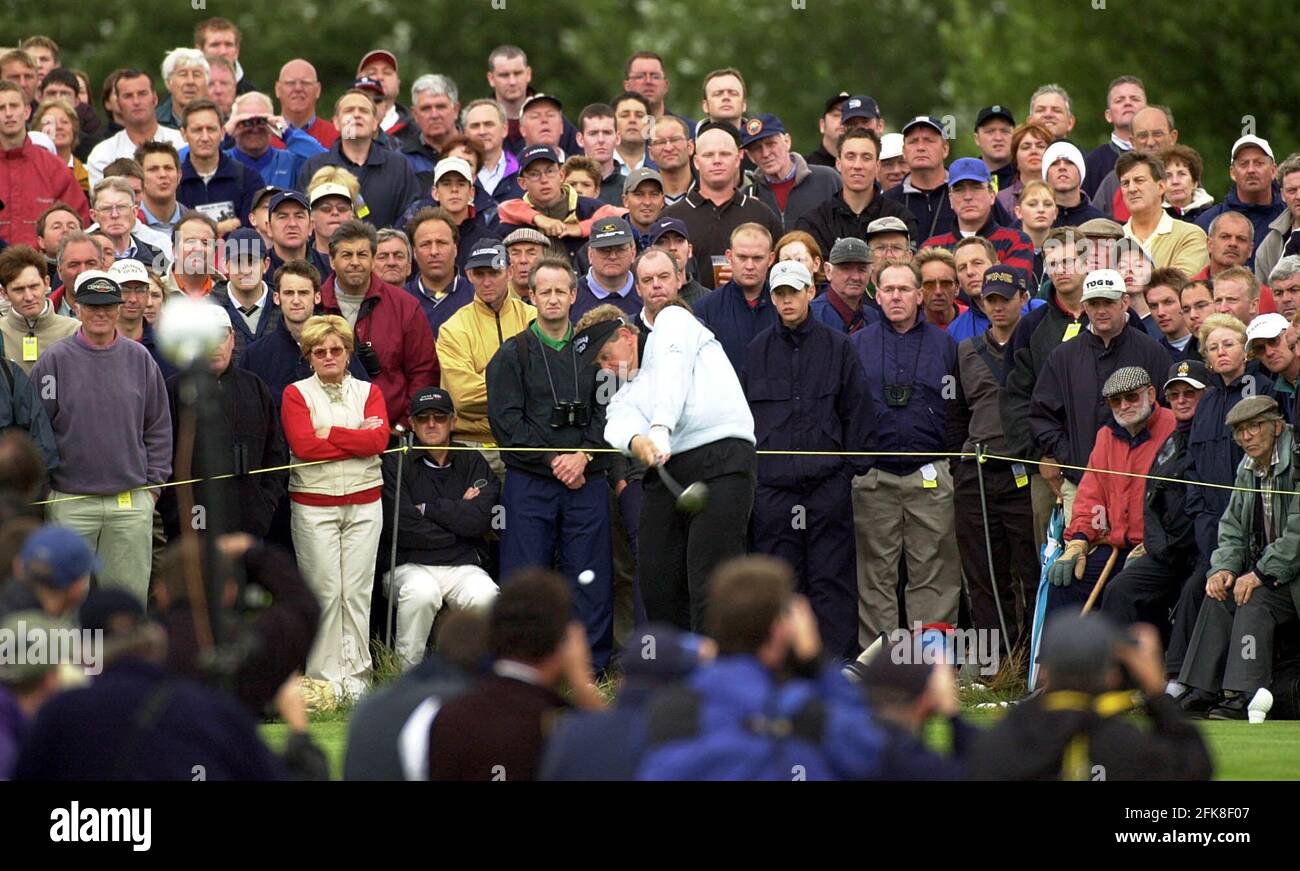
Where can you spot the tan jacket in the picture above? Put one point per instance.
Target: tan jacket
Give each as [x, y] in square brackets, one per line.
[48, 328]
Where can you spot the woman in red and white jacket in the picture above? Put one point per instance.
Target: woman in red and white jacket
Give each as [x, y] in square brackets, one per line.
[336, 514]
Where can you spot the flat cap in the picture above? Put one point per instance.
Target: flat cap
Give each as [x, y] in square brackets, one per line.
[1253, 408]
[1125, 380]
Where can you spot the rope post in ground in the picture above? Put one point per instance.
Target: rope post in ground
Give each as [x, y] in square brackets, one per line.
[988, 545]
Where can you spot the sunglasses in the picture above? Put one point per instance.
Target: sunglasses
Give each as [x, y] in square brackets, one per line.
[322, 353]
[1133, 397]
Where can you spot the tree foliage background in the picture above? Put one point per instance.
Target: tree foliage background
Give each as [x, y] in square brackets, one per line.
[1224, 68]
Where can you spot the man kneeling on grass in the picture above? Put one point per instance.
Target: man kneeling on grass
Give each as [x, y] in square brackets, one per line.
[1251, 588]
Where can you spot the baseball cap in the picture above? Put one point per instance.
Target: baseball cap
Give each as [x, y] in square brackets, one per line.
[365, 83]
[1191, 372]
[245, 244]
[859, 107]
[663, 652]
[663, 226]
[97, 287]
[790, 273]
[887, 224]
[123, 271]
[924, 121]
[1267, 326]
[285, 197]
[329, 189]
[761, 127]
[610, 233]
[834, 101]
[263, 193]
[1125, 379]
[850, 249]
[432, 399]
[969, 169]
[56, 557]
[1250, 139]
[105, 608]
[377, 54]
[636, 176]
[1007, 281]
[488, 253]
[1067, 149]
[526, 234]
[988, 113]
[891, 146]
[1078, 643]
[458, 165]
[1252, 408]
[30, 630]
[534, 153]
[1103, 284]
[904, 682]
[220, 317]
[540, 98]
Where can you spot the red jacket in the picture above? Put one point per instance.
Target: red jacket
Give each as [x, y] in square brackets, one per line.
[32, 180]
[1108, 508]
[392, 321]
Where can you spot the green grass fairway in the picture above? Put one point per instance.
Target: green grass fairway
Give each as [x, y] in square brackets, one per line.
[1269, 751]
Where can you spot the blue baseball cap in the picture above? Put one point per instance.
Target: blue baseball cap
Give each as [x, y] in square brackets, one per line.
[760, 128]
[245, 244]
[55, 556]
[285, 197]
[969, 169]
[534, 153]
[1002, 280]
[859, 107]
[664, 226]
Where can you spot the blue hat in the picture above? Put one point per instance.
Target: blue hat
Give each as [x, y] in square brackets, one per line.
[1001, 280]
[969, 169]
[244, 245]
[761, 128]
[923, 121]
[664, 226]
[534, 153]
[284, 197]
[859, 107]
[55, 556]
[488, 253]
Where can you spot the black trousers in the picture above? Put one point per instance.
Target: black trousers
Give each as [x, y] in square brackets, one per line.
[1185, 613]
[811, 528]
[1015, 551]
[1146, 591]
[678, 552]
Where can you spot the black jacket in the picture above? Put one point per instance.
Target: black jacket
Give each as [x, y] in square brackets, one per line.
[436, 526]
[1067, 407]
[710, 226]
[520, 404]
[248, 437]
[1168, 531]
[833, 219]
[807, 392]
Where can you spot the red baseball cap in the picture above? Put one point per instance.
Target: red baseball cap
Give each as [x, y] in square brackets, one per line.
[377, 54]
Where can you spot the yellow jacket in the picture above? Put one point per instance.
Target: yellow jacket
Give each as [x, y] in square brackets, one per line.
[466, 342]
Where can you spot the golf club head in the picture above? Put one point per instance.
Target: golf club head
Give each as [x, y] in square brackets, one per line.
[693, 498]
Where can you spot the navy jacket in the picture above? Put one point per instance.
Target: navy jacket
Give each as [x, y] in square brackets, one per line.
[89, 733]
[388, 185]
[233, 183]
[1259, 216]
[460, 295]
[631, 304]
[269, 320]
[924, 358]
[278, 361]
[806, 392]
[600, 745]
[1214, 454]
[726, 313]
[21, 408]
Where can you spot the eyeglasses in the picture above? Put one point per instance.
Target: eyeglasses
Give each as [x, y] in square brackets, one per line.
[667, 140]
[114, 210]
[889, 249]
[535, 174]
[646, 77]
[1249, 428]
[322, 353]
[1133, 397]
[945, 283]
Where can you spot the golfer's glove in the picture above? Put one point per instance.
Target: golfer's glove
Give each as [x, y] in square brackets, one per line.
[1069, 565]
[659, 438]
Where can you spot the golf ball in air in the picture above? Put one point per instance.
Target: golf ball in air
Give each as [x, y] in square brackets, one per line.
[587, 577]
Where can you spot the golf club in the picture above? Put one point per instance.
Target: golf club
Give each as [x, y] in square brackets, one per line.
[690, 500]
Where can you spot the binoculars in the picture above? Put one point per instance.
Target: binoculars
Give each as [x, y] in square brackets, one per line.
[898, 395]
[570, 413]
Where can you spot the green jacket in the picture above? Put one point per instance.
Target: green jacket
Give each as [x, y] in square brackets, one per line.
[1281, 559]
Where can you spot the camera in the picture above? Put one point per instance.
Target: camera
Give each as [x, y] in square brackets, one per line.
[898, 395]
[570, 413]
[369, 359]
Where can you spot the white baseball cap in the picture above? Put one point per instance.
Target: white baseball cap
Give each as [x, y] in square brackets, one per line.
[128, 270]
[1267, 326]
[891, 146]
[458, 165]
[790, 273]
[1103, 284]
[220, 317]
[329, 189]
[1250, 139]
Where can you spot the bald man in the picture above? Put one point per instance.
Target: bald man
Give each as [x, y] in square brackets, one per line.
[298, 89]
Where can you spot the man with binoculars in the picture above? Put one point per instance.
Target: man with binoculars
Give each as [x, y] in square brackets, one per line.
[556, 498]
